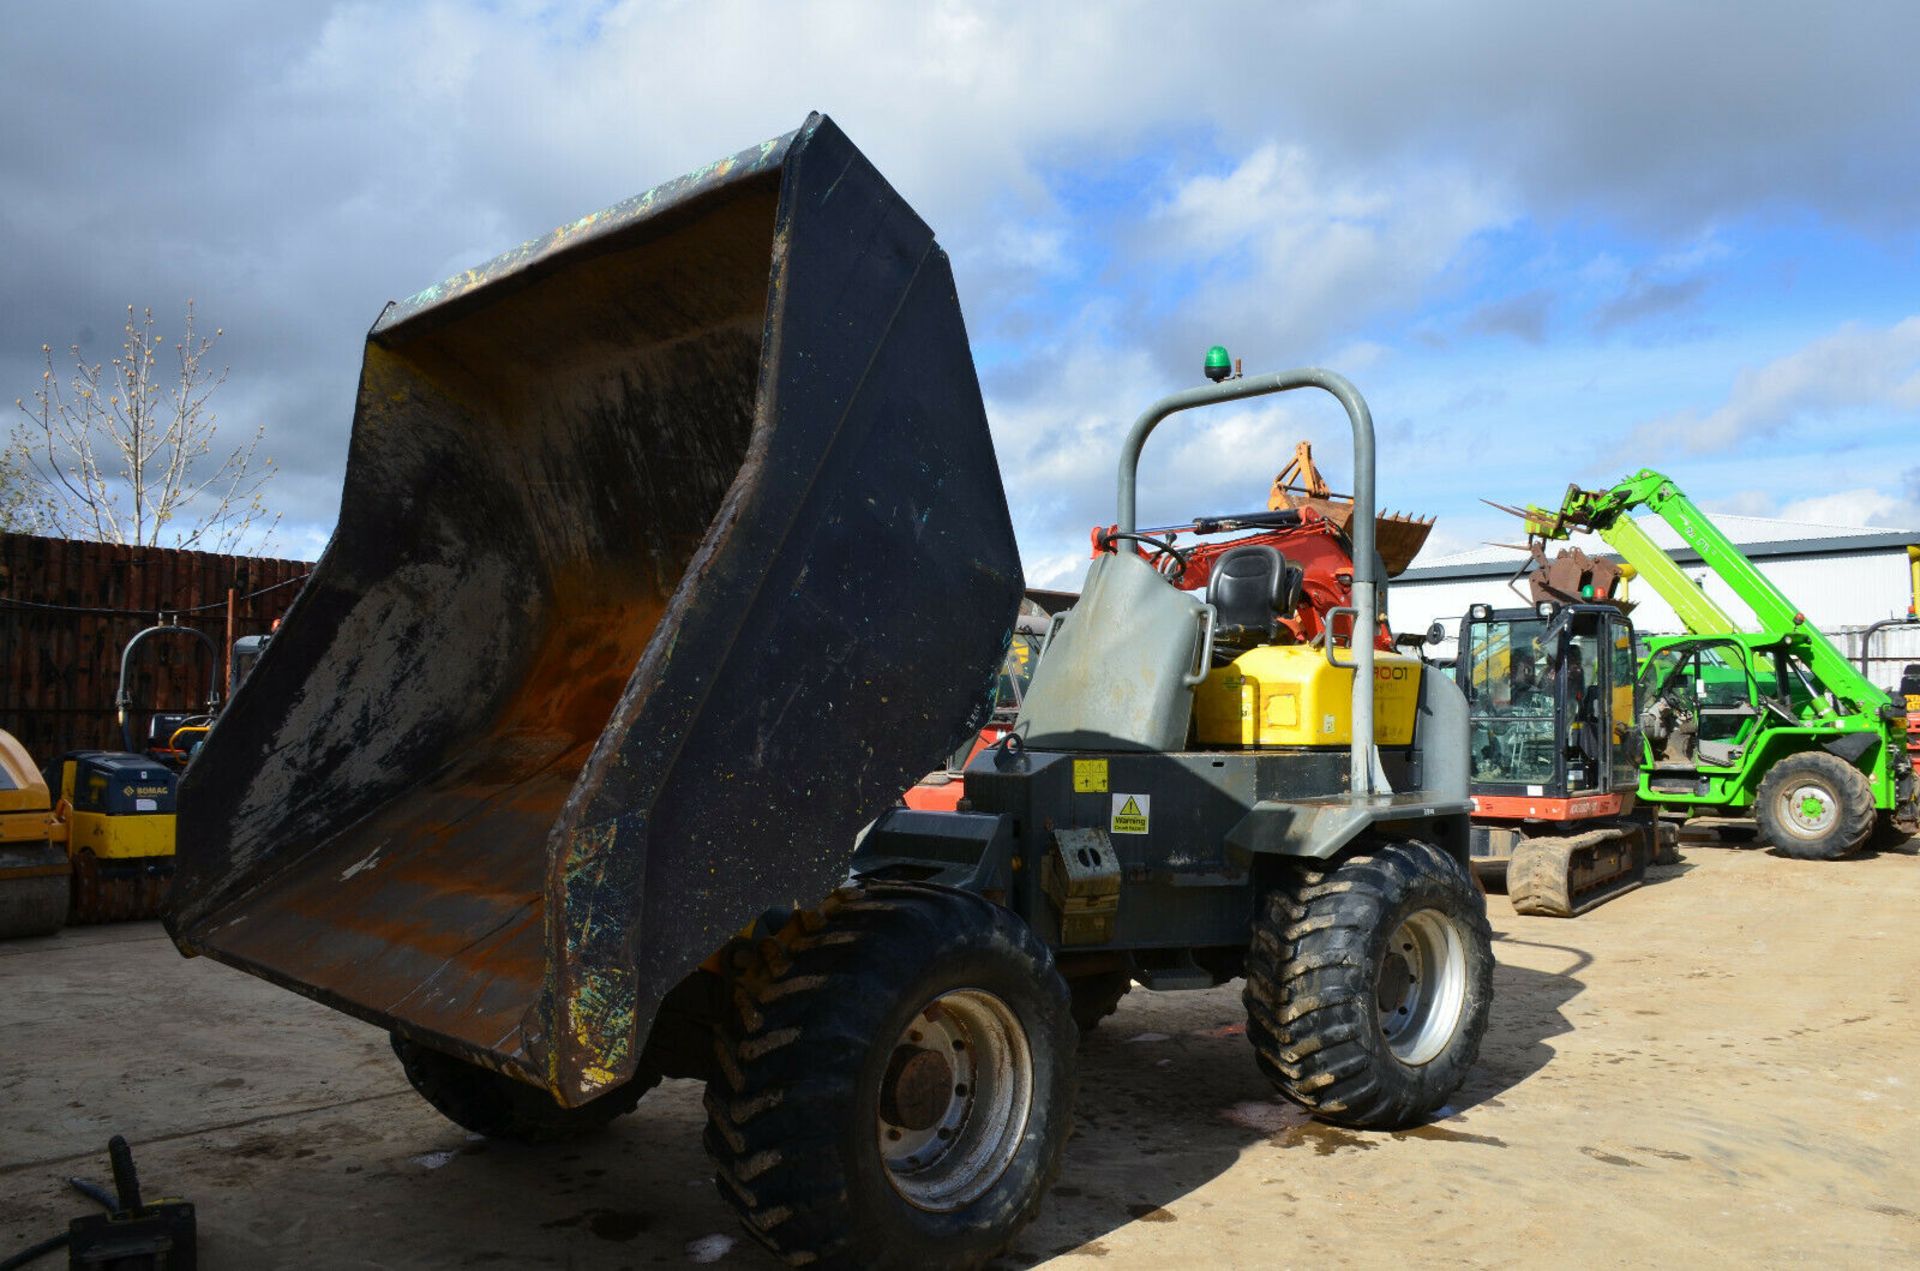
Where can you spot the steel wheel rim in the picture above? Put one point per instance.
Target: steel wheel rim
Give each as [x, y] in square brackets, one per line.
[1421, 987]
[941, 1164]
[1809, 809]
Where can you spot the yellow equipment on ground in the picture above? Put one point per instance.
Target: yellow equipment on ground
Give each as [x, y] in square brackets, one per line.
[99, 849]
[119, 814]
[34, 870]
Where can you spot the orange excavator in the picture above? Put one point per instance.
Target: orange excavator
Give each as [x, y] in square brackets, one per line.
[1308, 523]
[1305, 520]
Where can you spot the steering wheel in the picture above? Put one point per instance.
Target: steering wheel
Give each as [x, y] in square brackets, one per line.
[1164, 551]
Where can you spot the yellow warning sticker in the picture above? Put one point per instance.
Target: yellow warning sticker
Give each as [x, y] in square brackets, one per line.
[1089, 776]
[1130, 813]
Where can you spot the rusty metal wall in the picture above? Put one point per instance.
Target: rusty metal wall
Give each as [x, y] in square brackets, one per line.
[67, 608]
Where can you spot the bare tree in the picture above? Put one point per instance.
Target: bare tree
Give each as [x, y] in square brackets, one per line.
[123, 451]
[22, 510]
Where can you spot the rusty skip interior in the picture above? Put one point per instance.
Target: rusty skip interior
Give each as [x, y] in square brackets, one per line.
[534, 466]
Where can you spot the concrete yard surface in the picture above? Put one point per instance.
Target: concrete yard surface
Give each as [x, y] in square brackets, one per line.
[1718, 1068]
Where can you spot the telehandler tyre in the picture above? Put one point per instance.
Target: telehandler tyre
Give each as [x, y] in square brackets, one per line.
[499, 1107]
[896, 1080]
[1814, 806]
[1368, 984]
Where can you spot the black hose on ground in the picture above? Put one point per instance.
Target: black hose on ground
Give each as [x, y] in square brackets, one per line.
[95, 1193]
[33, 1253]
[125, 1180]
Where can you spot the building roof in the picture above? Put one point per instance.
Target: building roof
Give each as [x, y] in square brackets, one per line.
[1757, 536]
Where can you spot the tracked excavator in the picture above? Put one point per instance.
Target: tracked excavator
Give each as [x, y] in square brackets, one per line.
[1554, 748]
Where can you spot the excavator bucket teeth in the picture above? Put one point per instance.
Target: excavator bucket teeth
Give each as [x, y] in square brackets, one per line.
[1397, 537]
[672, 549]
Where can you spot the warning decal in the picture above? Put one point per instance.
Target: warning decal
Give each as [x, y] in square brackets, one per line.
[1130, 813]
[1090, 776]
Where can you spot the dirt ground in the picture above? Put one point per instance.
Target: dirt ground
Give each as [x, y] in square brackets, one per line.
[1718, 1068]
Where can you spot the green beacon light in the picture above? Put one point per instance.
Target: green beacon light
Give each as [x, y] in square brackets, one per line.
[1219, 365]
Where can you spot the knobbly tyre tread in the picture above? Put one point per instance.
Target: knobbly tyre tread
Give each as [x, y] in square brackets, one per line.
[1311, 984]
[807, 1010]
[489, 1103]
[1097, 996]
[1849, 786]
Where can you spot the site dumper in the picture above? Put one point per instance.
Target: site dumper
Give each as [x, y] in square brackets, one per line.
[672, 550]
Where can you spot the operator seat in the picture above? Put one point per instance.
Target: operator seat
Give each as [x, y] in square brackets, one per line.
[1251, 589]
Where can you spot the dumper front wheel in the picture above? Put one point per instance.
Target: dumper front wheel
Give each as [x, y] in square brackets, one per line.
[896, 1080]
[485, 1102]
[1368, 984]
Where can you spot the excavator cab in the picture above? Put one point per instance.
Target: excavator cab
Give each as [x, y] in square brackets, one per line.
[1550, 699]
[1554, 751]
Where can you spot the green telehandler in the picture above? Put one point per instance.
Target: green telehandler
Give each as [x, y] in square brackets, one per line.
[1772, 721]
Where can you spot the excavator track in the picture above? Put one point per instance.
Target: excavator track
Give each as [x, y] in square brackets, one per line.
[118, 890]
[1559, 877]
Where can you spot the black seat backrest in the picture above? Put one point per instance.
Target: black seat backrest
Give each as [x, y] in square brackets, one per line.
[1250, 589]
[1910, 678]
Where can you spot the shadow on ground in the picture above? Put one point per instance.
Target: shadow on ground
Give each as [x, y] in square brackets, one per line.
[1170, 1099]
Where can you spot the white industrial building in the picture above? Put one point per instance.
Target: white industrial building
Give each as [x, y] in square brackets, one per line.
[1844, 578]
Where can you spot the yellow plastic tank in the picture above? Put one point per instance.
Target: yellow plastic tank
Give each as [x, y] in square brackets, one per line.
[1288, 695]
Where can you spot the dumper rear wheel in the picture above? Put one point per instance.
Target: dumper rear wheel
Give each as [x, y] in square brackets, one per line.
[896, 1080]
[1368, 984]
[499, 1107]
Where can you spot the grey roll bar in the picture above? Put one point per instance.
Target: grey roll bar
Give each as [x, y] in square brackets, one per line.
[123, 694]
[1360, 755]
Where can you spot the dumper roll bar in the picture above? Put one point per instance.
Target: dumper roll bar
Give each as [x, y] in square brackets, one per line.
[1360, 755]
[123, 697]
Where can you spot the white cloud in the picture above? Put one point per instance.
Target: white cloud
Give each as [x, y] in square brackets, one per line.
[1855, 367]
[1864, 506]
[1293, 249]
[1312, 171]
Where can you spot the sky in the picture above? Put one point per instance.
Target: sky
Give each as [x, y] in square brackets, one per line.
[1550, 243]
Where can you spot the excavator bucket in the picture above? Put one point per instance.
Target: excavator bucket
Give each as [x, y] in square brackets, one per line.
[672, 549]
[1397, 537]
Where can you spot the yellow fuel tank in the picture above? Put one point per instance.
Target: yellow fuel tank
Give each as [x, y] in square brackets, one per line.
[1288, 695]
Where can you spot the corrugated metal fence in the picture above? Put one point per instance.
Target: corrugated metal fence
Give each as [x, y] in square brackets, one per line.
[67, 608]
[1893, 649]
